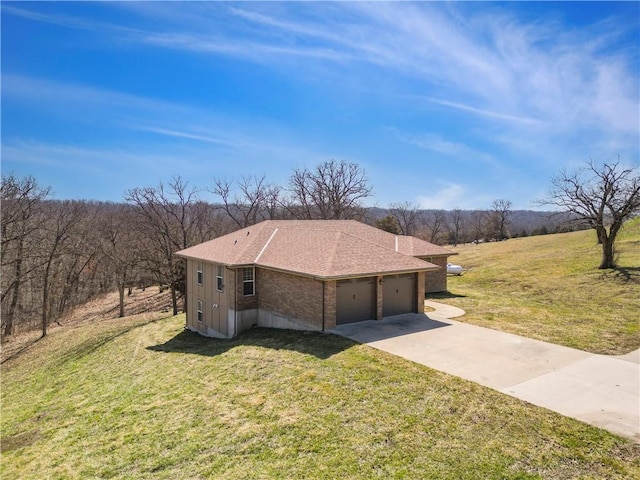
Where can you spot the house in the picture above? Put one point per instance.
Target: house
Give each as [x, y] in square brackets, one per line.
[307, 275]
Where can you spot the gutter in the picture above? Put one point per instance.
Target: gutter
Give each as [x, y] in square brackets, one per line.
[346, 276]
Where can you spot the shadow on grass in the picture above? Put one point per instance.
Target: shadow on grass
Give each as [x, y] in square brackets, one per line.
[21, 350]
[317, 344]
[83, 348]
[95, 343]
[443, 295]
[628, 274]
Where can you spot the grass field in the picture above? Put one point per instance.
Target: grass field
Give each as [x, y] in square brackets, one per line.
[549, 288]
[135, 399]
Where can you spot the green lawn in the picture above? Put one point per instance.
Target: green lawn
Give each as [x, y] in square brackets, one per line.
[549, 288]
[137, 399]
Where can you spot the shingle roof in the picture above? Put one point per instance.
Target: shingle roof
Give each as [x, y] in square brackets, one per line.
[318, 248]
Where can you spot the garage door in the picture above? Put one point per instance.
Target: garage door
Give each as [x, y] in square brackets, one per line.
[354, 300]
[398, 294]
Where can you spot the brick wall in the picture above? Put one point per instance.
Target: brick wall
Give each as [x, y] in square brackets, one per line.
[296, 297]
[379, 298]
[330, 304]
[421, 290]
[436, 281]
[242, 301]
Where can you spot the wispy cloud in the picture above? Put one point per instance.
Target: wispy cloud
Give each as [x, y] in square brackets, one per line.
[539, 75]
[43, 92]
[438, 144]
[449, 195]
[445, 196]
[256, 51]
[484, 113]
[486, 62]
[182, 134]
[69, 21]
[509, 88]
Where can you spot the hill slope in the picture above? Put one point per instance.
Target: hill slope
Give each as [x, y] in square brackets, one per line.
[147, 304]
[549, 288]
[150, 400]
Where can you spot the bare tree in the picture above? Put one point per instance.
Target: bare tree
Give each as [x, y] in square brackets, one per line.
[62, 219]
[330, 191]
[456, 220]
[168, 221]
[477, 219]
[255, 199]
[407, 216]
[212, 222]
[601, 195]
[273, 203]
[80, 263]
[498, 219]
[21, 218]
[435, 225]
[122, 246]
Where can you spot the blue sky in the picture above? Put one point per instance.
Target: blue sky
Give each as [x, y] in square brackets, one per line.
[444, 105]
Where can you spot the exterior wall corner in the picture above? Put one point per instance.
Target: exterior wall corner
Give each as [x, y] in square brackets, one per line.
[421, 291]
[329, 304]
[379, 298]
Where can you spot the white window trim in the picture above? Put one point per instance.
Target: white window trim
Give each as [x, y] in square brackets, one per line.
[199, 311]
[200, 274]
[252, 281]
[220, 278]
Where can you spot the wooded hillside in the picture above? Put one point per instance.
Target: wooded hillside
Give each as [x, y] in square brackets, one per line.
[60, 253]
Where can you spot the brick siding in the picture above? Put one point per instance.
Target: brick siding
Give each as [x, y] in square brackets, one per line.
[293, 296]
[436, 281]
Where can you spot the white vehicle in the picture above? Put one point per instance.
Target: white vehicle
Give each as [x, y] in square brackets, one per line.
[453, 269]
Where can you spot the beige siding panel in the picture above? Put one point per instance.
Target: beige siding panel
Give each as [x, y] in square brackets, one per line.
[190, 322]
[216, 305]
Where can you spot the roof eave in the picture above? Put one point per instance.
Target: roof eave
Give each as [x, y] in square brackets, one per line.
[381, 274]
[340, 277]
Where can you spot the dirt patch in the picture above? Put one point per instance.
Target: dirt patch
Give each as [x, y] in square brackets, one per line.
[19, 440]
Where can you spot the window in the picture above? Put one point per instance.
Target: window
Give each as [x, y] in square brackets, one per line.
[219, 278]
[248, 281]
[199, 274]
[200, 313]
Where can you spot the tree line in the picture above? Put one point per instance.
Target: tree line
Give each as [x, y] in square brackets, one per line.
[56, 254]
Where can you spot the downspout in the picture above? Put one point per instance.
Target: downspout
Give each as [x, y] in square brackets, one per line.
[324, 301]
[235, 303]
[186, 295]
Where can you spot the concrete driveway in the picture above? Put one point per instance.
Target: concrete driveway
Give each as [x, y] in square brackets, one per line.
[600, 390]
